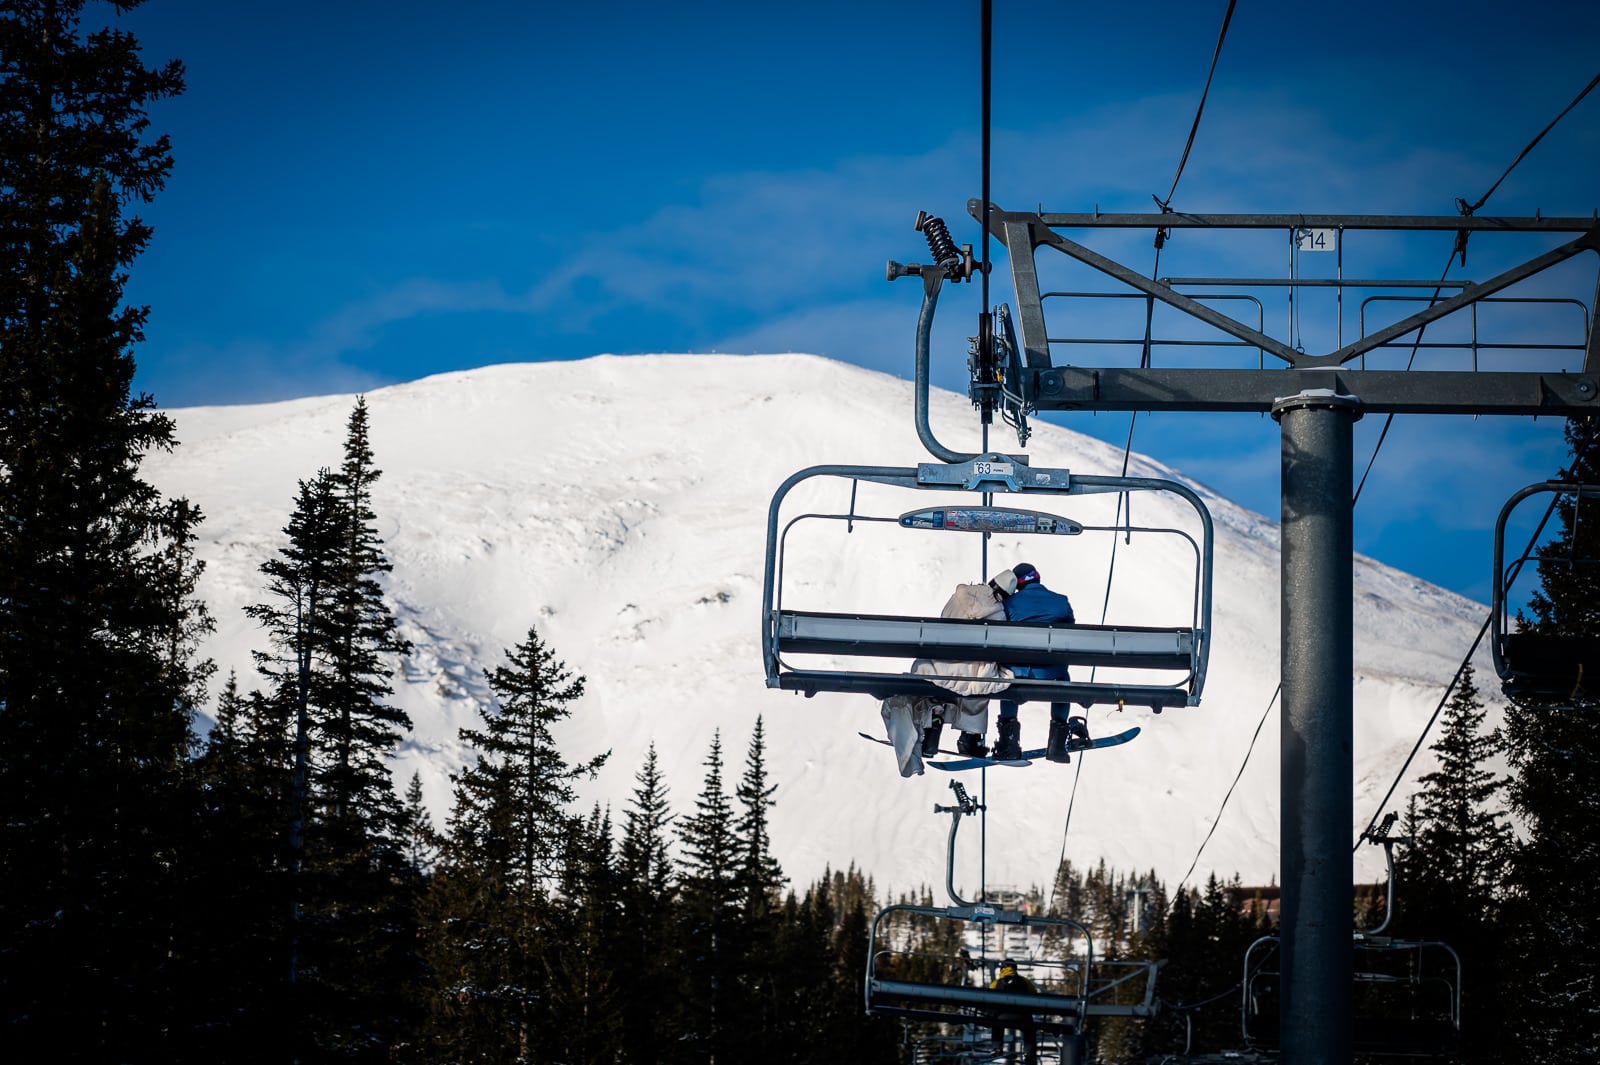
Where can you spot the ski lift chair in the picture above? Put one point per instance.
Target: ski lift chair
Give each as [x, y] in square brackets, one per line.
[1406, 1001]
[789, 635]
[1407, 996]
[1538, 669]
[951, 987]
[921, 967]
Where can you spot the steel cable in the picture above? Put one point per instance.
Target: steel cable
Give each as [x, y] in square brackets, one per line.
[1124, 504]
[1462, 204]
[1226, 18]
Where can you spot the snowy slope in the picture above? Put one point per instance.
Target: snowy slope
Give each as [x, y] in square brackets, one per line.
[619, 504]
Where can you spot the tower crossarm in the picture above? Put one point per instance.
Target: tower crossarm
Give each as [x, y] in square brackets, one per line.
[1285, 368]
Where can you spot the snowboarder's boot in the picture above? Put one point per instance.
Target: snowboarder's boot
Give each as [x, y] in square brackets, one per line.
[1056, 749]
[930, 737]
[971, 745]
[1008, 747]
[1078, 733]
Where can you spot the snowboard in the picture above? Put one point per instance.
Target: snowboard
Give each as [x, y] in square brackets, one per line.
[953, 754]
[1038, 752]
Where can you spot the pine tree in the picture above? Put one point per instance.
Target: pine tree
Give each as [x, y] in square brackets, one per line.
[646, 961]
[760, 879]
[1567, 602]
[510, 808]
[494, 934]
[1555, 974]
[585, 988]
[1451, 874]
[1450, 878]
[856, 1036]
[369, 887]
[299, 584]
[419, 841]
[331, 638]
[97, 619]
[644, 859]
[243, 869]
[363, 634]
[709, 908]
[756, 934]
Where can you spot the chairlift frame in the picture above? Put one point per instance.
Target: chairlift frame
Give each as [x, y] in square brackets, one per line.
[1083, 987]
[1434, 1036]
[1536, 669]
[1374, 1036]
[796, 632]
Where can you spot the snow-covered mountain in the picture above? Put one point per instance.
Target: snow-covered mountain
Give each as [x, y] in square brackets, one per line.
[619, 504]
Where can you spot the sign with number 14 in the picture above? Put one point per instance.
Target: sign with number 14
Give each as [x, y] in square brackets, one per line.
[1315, 240]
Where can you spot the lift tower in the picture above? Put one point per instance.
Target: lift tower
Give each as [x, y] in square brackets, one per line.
[1315, 398]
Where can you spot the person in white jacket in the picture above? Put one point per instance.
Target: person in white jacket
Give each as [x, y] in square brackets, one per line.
[915, 723]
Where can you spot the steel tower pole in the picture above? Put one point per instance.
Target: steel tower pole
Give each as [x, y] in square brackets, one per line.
[1316, 775]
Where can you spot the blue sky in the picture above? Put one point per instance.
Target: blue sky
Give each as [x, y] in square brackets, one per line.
[367, 193]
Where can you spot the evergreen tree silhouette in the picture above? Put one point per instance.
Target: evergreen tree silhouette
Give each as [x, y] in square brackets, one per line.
[494, 934]
[586, 994]
[763, 997]
[709, 899]
[419, 840]
[299, 583]
[243, 866]
[331, 638]
[362, 633]
[647, 959]
[98, 685]
[760, 878]
[1450, 876]
[1554, 975]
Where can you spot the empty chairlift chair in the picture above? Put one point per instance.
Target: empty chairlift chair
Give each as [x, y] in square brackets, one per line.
[1537, 668]
[1406, 1000]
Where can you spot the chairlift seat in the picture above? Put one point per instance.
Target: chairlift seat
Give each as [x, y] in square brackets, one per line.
[885, 685]
[1549, 668]
[1008, 642]
[988, 1002]
[1406, 1001]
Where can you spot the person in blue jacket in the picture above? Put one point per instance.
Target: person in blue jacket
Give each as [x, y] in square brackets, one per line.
[1032, 601]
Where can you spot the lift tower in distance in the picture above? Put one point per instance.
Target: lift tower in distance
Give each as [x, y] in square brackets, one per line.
[1315, 398]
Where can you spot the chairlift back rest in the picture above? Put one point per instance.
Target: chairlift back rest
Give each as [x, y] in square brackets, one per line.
[1563, 654]
[886, 992]
[1549, 667]
[1008, 642]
